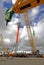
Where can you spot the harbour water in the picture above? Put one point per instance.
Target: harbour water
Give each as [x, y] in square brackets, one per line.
[21, 61]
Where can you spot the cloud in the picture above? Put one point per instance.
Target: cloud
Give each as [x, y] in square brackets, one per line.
[34, 11]
[7, 40]
[13, 1]
[24, 32]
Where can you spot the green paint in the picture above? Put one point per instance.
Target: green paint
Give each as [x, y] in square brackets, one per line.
[8, 15]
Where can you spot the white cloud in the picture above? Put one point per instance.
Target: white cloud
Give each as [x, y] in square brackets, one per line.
[7, 40]
[14, 1]
[26, 38]
[24, 32]
[8, 32]
[34, 11]
[13, 27]
[39, 28]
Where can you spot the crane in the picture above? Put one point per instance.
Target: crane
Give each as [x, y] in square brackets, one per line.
[22, 6]
[3, 46]
[17, 36]
[4, 49]
[30, 35]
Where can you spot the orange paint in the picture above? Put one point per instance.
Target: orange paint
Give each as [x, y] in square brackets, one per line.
[17, 34]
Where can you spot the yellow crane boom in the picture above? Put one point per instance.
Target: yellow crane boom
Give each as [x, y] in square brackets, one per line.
[23, 5]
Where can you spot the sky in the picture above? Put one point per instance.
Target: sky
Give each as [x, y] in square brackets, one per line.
[36, 19]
